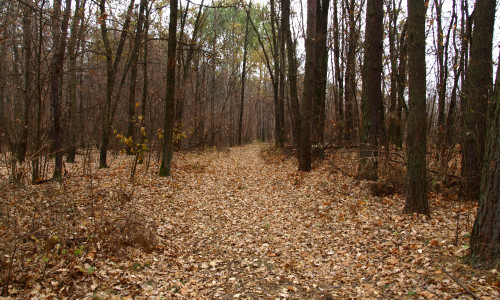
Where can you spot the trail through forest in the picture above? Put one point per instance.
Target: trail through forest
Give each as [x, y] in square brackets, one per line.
[243, 223]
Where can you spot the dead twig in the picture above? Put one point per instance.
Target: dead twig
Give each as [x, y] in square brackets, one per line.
[461, 284]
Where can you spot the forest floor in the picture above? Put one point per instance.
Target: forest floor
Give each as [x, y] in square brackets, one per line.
[235, 224]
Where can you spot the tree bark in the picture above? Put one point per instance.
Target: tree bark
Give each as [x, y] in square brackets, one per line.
[111, 68]
[478, 86]
[371, 104]
[133, 76]
[168, 129]
[59, 32]
[278, 101]
[401, 83]
[392, 130]
[73, 46]
[28, 75]
[309, 86]
[145, 82]
[292, 71]
[416, 182]
[485, 238]
[243, 74]
[350, 76]
[339, 91]
[321, 52]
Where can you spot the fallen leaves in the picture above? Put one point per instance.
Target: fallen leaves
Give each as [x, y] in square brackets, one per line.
[244, 224]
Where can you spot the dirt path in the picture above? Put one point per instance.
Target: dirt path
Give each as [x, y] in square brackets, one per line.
[245, 224]
[241, 227]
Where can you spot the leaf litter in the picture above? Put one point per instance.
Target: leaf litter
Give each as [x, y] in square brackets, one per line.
[236, 224]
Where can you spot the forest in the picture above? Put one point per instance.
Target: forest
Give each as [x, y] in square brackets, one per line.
[267, 149]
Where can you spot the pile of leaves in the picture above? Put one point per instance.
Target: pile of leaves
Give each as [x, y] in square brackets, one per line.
[233, 224]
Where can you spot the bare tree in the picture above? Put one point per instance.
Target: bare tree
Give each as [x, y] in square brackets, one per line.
[168, 129]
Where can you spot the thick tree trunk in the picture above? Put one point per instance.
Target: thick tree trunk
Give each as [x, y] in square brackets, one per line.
[478, 86]
[416, 182]
[168, 128]
[321, 52]
[371, 104]
[485, 238]
[309, 86]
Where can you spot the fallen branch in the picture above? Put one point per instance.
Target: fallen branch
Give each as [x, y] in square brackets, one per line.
[461, 284]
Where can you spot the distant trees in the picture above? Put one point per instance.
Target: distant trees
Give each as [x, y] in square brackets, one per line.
[238, 76]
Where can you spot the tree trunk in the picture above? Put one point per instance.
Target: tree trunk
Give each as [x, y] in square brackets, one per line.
[111, 68]
[243, 73]
[133, 77]
[478, 86]
[416, 182]
[28, 75]
[393, 57]
[278, 101]
[401, 85]
[371, 104]
[350, 76]
[145, 76]
[38, 95]
[59, 32]
[339, 91]
[309, 86]
[168, 129]
[442, 48]
[485, 238]
[292, 71]
[321, 59]
[73, 46]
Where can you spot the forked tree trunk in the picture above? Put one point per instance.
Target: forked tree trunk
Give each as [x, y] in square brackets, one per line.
[111, 69]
